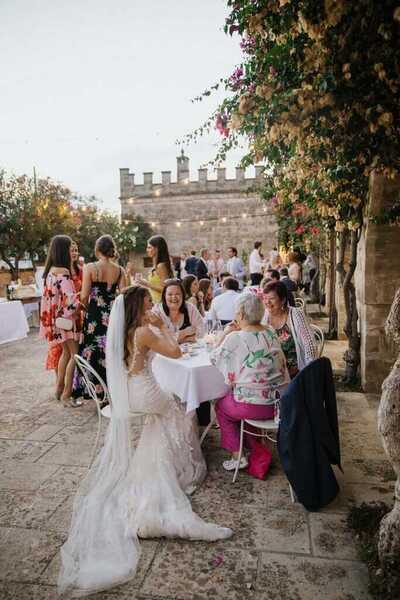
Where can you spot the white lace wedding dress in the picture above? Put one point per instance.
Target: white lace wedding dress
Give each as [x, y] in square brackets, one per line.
[132, 493]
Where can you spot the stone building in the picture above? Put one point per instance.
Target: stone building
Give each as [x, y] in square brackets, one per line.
[211, 213]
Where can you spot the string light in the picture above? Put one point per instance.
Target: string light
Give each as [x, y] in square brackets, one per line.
[130, 201]
[178, 223]
[264, 209]
[201, 222]
[157, 192]
[223, 219]
[244, 215]
[153, 224]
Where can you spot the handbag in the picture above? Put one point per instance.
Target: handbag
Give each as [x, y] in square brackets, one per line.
[63, 323]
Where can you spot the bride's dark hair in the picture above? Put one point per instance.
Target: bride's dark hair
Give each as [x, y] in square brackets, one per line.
[134, 308]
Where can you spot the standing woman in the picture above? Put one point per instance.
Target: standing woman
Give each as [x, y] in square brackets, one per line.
[101, 280]
[157, 249]
[59, 312]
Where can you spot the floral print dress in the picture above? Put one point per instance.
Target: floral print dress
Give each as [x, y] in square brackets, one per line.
[289, 349]
[93, 339]
[59, 300]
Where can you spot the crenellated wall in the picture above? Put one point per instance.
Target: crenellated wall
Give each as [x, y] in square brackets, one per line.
[214, 213]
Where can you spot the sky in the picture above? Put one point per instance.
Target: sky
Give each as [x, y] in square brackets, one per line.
[91, 86]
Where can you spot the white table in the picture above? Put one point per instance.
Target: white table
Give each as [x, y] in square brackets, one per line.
[13, 322]
[194, 380]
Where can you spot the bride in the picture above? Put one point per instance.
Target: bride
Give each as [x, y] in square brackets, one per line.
[130, 493]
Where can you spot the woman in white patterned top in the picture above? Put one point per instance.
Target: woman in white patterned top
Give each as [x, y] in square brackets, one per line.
[251, 359]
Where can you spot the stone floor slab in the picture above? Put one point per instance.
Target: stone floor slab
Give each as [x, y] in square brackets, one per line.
[68, 455]
[25, 553]
[196, 571]
[64, 480]
[283, 577]
[331, 538]
[23, 450]
[18, 475]
[28, 509]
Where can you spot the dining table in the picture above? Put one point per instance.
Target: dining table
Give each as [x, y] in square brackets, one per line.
[13, 323]
[192, 378]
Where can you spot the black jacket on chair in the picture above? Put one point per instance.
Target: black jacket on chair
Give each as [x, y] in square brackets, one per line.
[308, 436]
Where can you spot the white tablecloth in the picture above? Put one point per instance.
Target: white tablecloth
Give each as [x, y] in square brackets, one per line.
[13, 323]
[193, 380]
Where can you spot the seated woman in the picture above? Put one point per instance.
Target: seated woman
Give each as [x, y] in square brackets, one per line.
[130, 493]
[193, 295]
[291, 326]
[252, 362]
[180, 317]
[206, 288]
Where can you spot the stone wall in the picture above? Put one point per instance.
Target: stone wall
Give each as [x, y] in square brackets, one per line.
[377, 279]
[208, 213]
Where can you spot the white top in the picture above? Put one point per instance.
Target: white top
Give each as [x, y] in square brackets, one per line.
[235, 267]
[195, 318]
[223, 307]
[255, 262]
[215, 267]
[294, 272]
[253, 363]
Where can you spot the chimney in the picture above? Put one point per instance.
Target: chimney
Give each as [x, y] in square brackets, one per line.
[148, 179]
[221, 174]
[202, 175]
[182, 167]
[127, 180]
[239, 174]
[165, 177]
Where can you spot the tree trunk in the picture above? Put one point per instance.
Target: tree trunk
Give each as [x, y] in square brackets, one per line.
[389, 429]
[333, 326]
[352, 354]
[14, 268]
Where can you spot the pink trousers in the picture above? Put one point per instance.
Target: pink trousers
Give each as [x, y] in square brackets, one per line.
[229, 414]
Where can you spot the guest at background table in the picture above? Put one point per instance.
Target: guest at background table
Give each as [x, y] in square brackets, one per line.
[180, 266]
[193, 295]
[157, 250]
[181, 317]
[218, 289]
[216, 265]
[275, 260]
[294, 269]
[201, 269]
[101, 282]
[235, 266]
[191, 263]
[251, 359]
[291, 285]
[223, 307]
[254, 287]
[206, 288]
[291, 326]
[256, 264]
[60, 301]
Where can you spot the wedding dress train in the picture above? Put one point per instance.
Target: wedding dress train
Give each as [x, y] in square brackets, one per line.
[133, 493]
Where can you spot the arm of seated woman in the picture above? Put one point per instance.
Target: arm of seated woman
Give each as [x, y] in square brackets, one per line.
[164, 343]
[187, 335]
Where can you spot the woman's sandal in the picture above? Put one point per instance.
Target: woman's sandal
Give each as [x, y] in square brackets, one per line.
[73, 402]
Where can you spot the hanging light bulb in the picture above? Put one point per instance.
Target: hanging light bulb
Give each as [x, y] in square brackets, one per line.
[223, 219]
[201, 222]
[178, 223]
[244, 215]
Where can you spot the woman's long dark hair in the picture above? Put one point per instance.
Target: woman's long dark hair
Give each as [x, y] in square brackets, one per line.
[58, 254]
[159, 243]
[75, 264]
[187, 284]
[183, 308]
[204, 286]
[133, 303]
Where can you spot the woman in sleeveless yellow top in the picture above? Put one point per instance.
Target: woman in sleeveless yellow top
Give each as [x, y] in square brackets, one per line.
[157, 249]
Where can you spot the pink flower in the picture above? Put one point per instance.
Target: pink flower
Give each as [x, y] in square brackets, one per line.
[300, 229]
[314, 230]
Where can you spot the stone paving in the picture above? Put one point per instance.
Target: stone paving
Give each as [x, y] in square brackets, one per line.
[279, 550]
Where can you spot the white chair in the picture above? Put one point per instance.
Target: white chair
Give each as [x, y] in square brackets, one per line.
[319, 338]
[265, 426]
[299, 303]
[91, 378]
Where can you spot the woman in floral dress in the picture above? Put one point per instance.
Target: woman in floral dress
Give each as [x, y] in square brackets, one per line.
[60, 300]
[252, 362]
[101, 281]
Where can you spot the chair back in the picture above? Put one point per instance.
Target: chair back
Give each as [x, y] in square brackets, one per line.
[299, 302]
[91, 379]
[319, 338]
